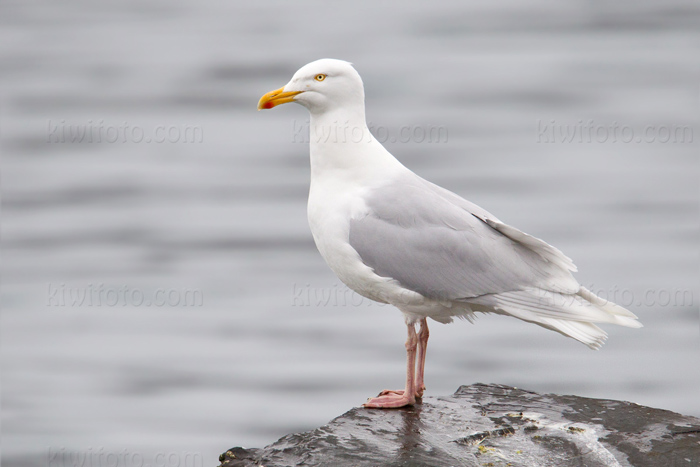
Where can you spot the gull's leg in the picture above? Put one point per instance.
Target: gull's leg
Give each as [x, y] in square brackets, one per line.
[423, 335]
[395, 399]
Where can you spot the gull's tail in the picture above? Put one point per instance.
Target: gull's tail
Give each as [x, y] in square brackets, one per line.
[572, 315]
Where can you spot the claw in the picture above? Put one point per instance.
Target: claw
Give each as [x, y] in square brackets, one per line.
[390, 401]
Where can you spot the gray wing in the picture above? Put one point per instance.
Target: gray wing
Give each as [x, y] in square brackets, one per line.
[437, 244]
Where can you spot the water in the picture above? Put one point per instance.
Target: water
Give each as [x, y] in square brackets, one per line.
[263, 353]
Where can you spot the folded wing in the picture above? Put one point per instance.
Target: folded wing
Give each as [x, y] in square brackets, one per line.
[437, 244]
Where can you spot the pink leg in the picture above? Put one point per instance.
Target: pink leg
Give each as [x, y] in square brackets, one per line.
[395, 399]
[423, 336]
[422, 348]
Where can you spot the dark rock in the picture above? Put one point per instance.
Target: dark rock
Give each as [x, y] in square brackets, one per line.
[491, 425]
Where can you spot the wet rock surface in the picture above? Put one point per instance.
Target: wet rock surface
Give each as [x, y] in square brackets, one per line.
[491, 425]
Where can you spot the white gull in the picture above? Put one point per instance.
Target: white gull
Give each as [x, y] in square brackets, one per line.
[396, 238]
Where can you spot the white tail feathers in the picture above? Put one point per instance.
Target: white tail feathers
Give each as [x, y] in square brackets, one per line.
[623, 316]
[572, 315]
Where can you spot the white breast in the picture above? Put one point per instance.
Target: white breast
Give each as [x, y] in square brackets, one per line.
[342, 174]
[331, 206]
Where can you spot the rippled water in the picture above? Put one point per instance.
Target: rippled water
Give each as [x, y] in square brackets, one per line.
[262, 351]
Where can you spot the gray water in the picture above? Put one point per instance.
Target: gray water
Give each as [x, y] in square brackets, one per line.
[261, 351]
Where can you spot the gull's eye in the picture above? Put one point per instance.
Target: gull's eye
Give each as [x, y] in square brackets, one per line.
[320, 77]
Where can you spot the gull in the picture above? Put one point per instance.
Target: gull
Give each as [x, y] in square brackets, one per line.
[396, 238]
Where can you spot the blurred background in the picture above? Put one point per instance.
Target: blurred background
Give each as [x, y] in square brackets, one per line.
[162, 296]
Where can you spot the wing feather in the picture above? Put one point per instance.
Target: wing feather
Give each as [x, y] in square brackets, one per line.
[447, 248]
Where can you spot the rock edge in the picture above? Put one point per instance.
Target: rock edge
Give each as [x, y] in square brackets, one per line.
[491, 425]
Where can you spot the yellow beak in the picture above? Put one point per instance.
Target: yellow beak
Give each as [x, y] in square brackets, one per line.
[276, 97]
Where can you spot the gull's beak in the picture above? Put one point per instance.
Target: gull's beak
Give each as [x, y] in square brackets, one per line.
[276, 97]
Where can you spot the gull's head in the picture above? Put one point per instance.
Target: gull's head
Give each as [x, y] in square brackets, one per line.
[320, 86]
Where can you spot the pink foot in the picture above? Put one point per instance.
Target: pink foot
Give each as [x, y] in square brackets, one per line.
[419, 392]
[390, 400]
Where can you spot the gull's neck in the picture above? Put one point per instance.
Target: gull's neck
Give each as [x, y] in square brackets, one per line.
[342, 148]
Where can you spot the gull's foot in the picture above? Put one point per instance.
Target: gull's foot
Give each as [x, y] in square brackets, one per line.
[389, 399]
[419, 391]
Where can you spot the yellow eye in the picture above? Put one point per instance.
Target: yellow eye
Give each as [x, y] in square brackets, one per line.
[320, 77]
